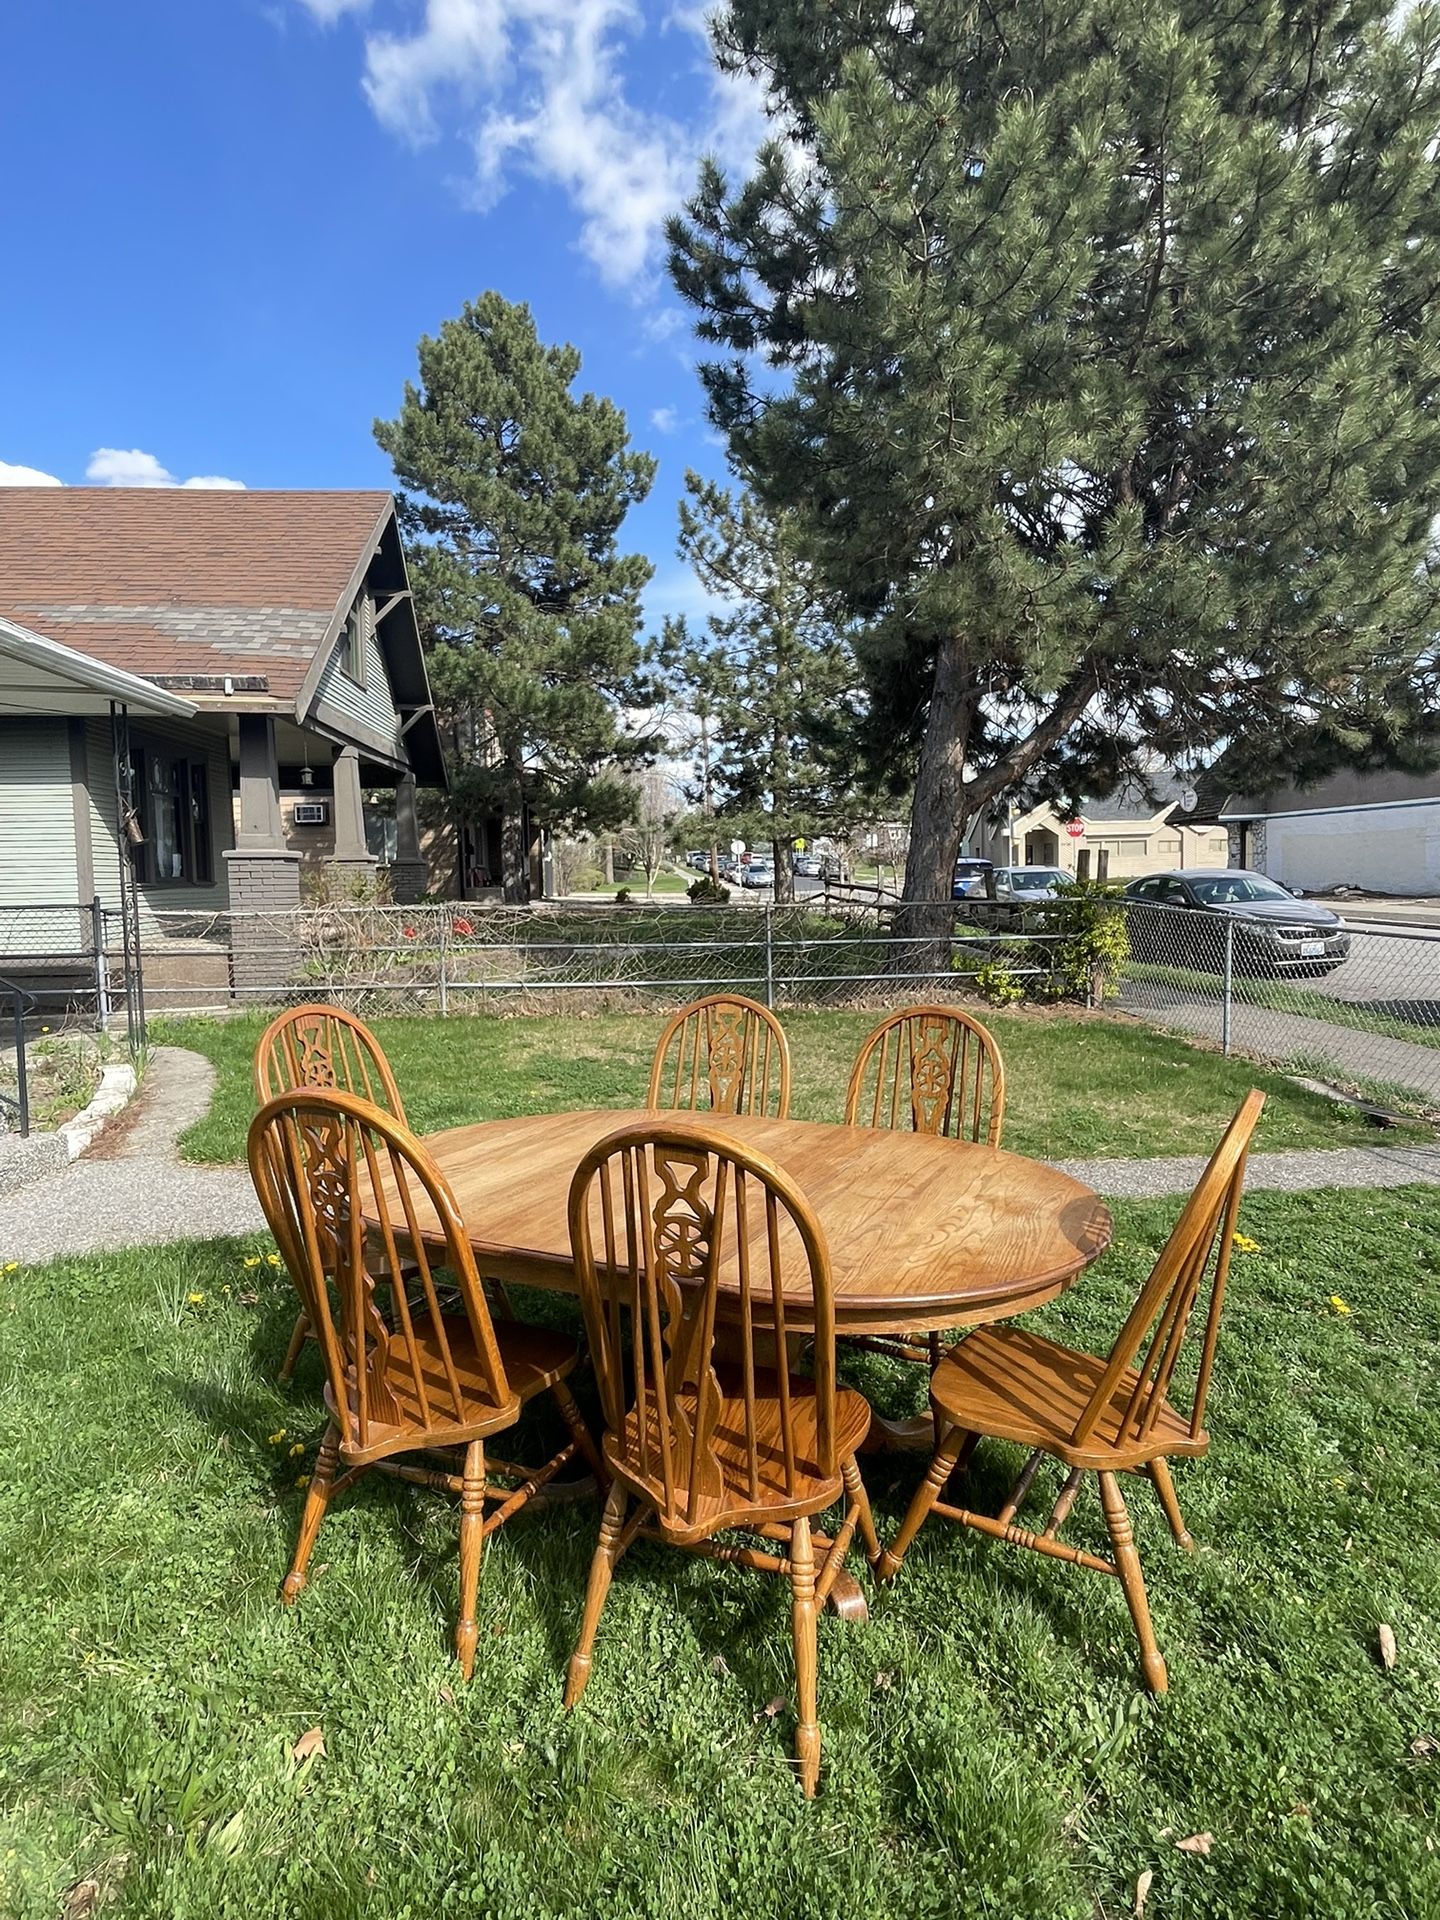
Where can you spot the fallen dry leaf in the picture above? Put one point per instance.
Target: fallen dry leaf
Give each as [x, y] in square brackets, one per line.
[1425, 1746]
[312, 1741]
[771, 1708]
[718, 1665]
[1142, 1889]
[1195, 1843]
[884, 1682]
[81, 1899]
[1385, 1636]
[447, 1694]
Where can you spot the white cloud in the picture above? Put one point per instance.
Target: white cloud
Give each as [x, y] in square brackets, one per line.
[536, 85]
[131, 467]
[664, 419]
[13, 476]
[327, 12]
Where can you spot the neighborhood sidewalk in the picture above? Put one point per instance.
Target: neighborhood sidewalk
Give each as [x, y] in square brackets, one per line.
[133, 1190]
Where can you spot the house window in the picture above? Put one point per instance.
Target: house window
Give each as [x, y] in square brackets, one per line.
[173, 795]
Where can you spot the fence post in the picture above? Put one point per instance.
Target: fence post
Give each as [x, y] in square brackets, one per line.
[444, 951]
[102, 977]
[769, 912]
[1229, 977]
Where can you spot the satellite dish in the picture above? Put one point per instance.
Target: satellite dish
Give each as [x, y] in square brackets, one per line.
[1189, 799]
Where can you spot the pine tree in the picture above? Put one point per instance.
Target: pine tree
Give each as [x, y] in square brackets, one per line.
[1111, 339]
[771, 678]
[514, 493]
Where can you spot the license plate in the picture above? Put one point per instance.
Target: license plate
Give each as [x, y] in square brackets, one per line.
[1311, 949]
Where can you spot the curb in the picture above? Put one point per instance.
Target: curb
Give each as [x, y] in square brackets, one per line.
[116, 1090]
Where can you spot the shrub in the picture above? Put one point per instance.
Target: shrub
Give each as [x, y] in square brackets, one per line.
[1094, 945]
[707, 892]
[997, 984]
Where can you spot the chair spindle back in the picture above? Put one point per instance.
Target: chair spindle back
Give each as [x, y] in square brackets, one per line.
[661, 1218]
[348, 1193]
[324, 1046]
[1201, 1242]
[722, 1054]
[930, 1069]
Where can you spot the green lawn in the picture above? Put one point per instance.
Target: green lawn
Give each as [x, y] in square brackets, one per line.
[986, 1750]
[1078, 1087]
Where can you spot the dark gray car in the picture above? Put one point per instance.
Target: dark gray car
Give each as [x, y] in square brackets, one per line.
[1179, 919]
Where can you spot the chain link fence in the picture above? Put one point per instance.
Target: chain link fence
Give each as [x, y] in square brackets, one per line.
[1358, 1006]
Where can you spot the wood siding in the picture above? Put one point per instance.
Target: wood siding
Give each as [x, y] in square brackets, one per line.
[37, 817]
[371, 707]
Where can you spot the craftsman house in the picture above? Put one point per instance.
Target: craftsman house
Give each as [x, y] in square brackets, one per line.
[210, 681]
[1140, 829]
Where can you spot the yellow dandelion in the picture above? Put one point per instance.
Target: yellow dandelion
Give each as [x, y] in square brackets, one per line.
[251, 1260]
[277, 1437]
[196, 1299]
[299, 1447]
[1244, 1244]
[12, 1266]
[272, 1259]
[1337, 1305]
[302, 1479]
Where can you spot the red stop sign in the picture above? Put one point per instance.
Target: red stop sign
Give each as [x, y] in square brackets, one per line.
[1075, 828]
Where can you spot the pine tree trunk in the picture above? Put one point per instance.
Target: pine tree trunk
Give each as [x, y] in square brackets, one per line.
[938, 815]
[783, 862]
[514, 845]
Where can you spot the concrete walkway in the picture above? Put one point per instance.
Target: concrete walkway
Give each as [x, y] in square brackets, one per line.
[132, 1190]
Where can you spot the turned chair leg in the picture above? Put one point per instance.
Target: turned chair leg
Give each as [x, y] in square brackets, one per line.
[299, 1334]
[807, 1724]
[580, 1433]
[1127, 1565]
[855, 1488]
[472, 1526]
[947, 1458]
[1159, 1471]
[602, 1566]
[316, 1501]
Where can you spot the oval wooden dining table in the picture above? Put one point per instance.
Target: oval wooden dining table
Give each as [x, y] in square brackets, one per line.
[924, 1233]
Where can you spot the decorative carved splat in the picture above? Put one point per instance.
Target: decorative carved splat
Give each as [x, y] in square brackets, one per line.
[727, 1027]
[932, 1070]
[316, 1063]
[330, 1184]
[685, 1252]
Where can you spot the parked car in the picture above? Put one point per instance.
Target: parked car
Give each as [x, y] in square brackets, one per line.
[1179, 919]
[698, 858]
[1024, 884]
[757, 873]
[807, 864]
[972, 879]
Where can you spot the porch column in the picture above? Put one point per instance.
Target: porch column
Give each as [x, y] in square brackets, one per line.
[262, 874]
[409, 875]
[351, 855]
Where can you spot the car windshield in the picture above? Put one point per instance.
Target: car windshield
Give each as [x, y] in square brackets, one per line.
[1035, 879]
[1232, 889]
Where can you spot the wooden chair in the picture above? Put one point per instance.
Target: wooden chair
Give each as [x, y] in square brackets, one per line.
[714, 1434]
[348, 1192]
[1109, 1415]
[322, 1046]
[722, 1054]
[927, 1069]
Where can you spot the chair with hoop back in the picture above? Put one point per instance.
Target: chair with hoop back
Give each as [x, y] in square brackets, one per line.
[322, 1046]
[722, 1054]
[1111, 1415]
[927, 1069]
[695, 1257]
[361, 1212]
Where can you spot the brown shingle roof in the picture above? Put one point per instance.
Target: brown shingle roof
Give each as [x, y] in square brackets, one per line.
[184, 581]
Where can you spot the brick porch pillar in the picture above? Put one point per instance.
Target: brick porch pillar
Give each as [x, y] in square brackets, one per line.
[262, 874]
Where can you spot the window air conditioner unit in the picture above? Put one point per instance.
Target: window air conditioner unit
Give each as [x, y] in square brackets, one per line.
[311, 813]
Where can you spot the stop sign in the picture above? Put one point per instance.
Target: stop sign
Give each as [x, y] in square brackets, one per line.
[1075, 828]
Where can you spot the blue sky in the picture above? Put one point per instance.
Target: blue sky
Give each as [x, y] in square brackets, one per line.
[228, 223]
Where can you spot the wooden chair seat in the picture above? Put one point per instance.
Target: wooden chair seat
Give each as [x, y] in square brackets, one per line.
[534, 1358]
[732, 1503]
[1017, 1385]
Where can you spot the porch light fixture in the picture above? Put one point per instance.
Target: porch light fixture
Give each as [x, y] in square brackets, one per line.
[307, 772]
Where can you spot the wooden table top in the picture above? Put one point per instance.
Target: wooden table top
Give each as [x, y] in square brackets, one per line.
[923, 1233]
